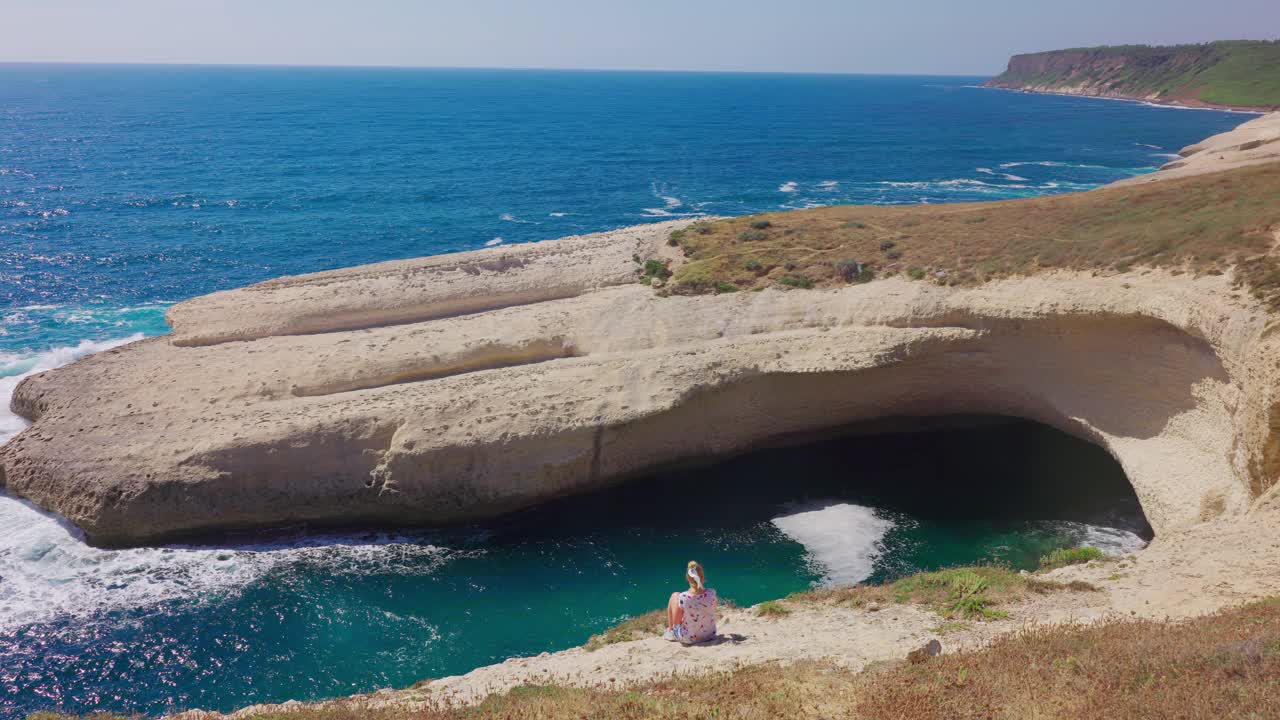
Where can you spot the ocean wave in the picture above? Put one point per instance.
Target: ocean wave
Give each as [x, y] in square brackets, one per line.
[1149, 145]
[829, 185]
[1112, 541]
[664, 212]
[495, 241]
[789, 186]
[14, 367]
[49, 572]
[1053, 163]
[969, 184]
[508, 217]
[841, 540]
[558, 214]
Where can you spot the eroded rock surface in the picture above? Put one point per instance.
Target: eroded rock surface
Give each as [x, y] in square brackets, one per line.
[461, 387]
[1252, 143]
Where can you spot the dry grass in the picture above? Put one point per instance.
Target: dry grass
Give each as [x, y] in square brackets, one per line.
[963, 593]
[1202, 224]
[1225, 666]
[643, 626]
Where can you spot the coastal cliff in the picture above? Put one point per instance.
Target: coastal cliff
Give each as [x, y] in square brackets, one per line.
[460, 387]
[1229, 74]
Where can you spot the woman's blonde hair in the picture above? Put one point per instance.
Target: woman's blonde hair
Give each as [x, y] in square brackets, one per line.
[696, 576]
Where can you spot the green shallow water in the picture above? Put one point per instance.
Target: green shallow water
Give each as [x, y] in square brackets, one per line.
[263, 619]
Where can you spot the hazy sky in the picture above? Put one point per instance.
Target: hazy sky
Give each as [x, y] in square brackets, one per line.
[885, 36]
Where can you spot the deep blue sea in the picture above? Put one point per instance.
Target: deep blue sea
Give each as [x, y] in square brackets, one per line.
[125, 189]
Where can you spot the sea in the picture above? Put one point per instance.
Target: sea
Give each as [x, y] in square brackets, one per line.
[125, 189]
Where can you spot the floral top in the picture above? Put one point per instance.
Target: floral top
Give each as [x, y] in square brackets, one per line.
[699, 614]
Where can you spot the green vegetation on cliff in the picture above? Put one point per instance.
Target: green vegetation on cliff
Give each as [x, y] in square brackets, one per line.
[1238, 73]
[1204, 225]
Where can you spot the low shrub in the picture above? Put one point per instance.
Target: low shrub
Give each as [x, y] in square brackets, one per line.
[725, 287]
[761, 224]
[751, 235]
[772, 608]
[796, 281]
[1063, 557]
[887, 245]
[656, 269]
[702, 227]
[915, 273]
[893, 254]
[848, 269]
[675, 238]
[754, 266]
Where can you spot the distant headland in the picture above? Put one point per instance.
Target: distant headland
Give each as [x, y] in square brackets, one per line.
[1235, 74]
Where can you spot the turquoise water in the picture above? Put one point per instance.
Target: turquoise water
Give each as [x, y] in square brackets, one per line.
[270, 618]
[125, 189]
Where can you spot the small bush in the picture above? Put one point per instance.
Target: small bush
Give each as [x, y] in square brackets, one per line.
[974, 220]
[754, 266]
[656, 269]
[887, 245]
[751, 235]
[676, 237]
[761, 224]
[893, 254]
[772, 608]
[856, 225]
[725, 287]
[702, 227]
[848, 269]
[915, 273]
[1063, 557]
[866, 275]
[796, 281]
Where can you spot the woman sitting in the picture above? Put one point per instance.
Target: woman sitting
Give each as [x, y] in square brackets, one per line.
[691, 615]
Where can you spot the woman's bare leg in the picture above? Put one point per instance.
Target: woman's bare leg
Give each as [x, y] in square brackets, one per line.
[673, 611]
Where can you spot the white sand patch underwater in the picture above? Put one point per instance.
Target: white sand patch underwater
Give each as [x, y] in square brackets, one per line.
[841, 540]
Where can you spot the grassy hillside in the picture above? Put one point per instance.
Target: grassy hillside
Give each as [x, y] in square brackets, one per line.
[1238, 73]
[1203, 225]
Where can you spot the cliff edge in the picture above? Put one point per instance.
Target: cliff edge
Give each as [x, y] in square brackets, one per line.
[1240, 74]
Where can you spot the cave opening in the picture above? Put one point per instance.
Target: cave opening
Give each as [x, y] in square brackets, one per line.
[869, 502]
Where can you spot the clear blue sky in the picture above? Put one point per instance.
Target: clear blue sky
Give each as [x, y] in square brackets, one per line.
[885, 36]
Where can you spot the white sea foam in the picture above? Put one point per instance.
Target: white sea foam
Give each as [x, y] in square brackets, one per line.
[46, 570]
[50, 573]
[829, 185]
[508, 217]
[1110, 540]
[14, 367]
[1052, 163]
[1149, 145]
[841, 540]
[788, 187]
[495, 241]
[558, 214]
